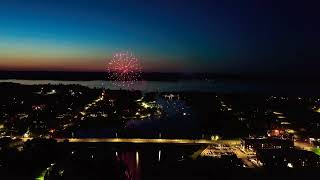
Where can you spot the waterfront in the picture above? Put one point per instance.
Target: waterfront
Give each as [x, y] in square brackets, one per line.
[74, 131]
[220, 86]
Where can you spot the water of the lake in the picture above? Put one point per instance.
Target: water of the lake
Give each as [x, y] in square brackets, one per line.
[227, 86]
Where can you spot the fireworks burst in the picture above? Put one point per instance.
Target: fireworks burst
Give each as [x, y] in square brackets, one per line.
[124, 69]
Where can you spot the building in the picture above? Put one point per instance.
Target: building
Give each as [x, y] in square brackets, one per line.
[288, 157]
[254, 144]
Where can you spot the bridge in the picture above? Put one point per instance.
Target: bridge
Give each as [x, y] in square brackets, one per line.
[144, 141]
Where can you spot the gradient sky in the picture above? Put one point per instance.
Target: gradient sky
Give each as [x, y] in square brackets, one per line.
[166, 35]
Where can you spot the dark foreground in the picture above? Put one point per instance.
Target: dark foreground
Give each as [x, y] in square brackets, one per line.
[49, 160]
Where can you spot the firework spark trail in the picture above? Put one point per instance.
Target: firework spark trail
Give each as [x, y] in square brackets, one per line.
[124, 69]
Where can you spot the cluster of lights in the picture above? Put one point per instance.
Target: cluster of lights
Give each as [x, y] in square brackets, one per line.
[90, 105]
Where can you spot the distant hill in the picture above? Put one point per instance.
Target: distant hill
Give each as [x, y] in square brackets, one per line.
[153, 76]
[75, 76]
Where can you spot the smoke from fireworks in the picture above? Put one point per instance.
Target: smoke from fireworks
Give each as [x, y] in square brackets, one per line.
[123, 69]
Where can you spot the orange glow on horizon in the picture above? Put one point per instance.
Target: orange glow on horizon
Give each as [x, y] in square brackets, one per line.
[78, 64]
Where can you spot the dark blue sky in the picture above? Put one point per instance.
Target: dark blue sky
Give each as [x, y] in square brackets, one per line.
[186, 36]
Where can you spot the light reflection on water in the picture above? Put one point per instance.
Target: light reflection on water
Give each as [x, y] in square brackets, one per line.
[178, 117]
[137, 159]
[131, 160]
[143, 161]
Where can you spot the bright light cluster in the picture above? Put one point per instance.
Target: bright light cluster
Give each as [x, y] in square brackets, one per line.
[124, 69]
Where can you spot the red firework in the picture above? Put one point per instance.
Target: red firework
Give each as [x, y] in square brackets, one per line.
[124, 69]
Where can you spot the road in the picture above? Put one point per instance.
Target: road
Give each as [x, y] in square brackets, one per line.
[232, 143]
[142, 141]
[247, 160]
[304, 145]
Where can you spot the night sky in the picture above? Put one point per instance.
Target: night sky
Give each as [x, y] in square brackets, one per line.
[167, 36]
